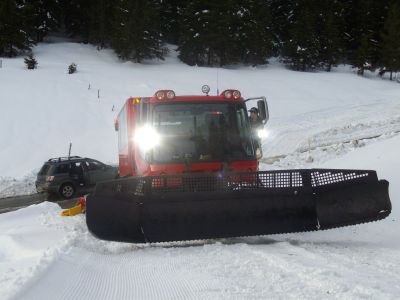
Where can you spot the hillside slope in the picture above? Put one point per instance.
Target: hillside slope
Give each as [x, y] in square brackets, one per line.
[46, 109]
[335, 120]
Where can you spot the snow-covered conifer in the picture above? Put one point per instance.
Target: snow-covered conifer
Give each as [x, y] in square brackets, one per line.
[30, 62]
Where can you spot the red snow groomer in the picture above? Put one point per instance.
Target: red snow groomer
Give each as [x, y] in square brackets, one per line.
[189, 170]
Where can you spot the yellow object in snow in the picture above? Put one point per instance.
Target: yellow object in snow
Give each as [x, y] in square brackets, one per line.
[79, 208]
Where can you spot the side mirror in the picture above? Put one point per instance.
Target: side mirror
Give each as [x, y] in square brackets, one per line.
[263, 110]
[116, 125]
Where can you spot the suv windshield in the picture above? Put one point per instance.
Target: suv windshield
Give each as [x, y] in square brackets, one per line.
[202, 132]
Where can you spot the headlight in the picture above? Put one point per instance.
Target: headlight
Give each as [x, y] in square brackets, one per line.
[263, 133]
[147, 138]
[228, 94]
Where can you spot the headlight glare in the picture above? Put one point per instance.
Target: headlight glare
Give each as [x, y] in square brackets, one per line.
[263, 133]
[147, 138]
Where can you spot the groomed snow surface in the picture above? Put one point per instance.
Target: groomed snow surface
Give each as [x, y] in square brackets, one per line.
[335, 120]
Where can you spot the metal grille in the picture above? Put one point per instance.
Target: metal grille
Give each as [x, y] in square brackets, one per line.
[267, 180]
[139, 188]
[231, 182]
[330, 177]
[280, 179]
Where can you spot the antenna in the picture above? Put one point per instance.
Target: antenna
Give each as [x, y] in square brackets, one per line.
[69, 152]
[217, 81]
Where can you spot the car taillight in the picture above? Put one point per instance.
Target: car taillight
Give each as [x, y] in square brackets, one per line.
[49, 178]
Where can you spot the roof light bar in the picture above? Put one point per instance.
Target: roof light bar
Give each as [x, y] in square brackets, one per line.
[165, 94]
[160, 95]
[236, 94]
[231, 94]
[228, 94]
[170, 95]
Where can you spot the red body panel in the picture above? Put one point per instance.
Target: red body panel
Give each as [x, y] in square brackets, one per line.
[127, 164]
[206, 167]
[193, 99]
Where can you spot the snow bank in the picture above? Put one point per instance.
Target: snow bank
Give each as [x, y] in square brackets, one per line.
[30, 239]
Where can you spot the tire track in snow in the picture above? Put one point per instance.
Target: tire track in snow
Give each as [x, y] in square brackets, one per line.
[241, 268]
[141, 274]
[313, 271]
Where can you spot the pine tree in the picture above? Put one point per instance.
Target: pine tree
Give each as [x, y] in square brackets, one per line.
[100, 22]
[390, 52]
[171, 19]
[136, 30]
[14, 37]
[330, 33]
[30, 62]
[302, 50]
[196, 44]
[282, 20]
[226, 32]
[72, 68]
[76, 17]
[43, 16]
[205, 33]
[253, 32]
[365, 22]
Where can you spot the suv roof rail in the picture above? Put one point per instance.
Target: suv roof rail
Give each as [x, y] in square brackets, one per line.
[58, 159]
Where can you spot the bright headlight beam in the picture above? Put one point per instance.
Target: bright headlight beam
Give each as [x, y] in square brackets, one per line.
[147, 138]
[263, 133]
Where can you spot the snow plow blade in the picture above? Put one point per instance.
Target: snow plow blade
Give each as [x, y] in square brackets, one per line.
[190, 207]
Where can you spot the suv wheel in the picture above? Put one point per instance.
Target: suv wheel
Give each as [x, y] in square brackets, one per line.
[67, 190]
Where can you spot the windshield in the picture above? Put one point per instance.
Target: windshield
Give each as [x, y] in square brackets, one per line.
[202, 132]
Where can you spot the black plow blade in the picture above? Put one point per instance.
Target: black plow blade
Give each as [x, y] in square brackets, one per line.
[189, 207]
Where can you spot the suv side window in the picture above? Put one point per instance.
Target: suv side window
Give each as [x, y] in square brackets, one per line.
[94, 165]
[45, 169]
[62, 168]
[77, 167]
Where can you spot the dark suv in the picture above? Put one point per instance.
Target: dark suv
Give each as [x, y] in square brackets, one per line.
[72, 176]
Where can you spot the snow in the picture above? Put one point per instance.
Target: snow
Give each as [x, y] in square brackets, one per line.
[328, 120]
